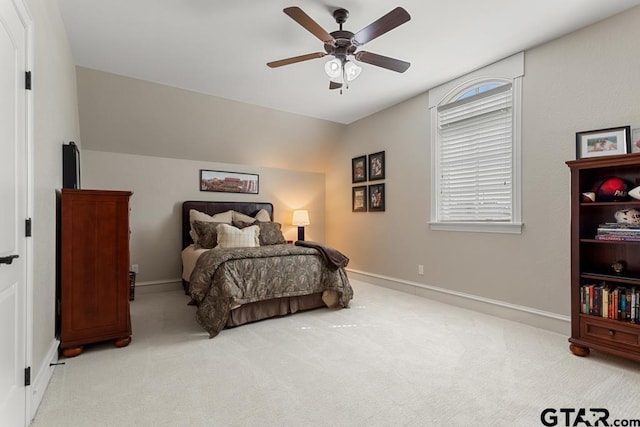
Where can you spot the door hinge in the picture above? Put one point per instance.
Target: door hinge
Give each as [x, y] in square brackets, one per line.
[27, 80]
[27, 227]
[27, 376]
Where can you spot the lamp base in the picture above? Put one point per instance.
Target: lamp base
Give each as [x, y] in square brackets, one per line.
[300, 233]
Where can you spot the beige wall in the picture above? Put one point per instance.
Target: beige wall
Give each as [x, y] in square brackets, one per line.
[160, 185]
[126, 115]
[586, 80]
[55, 121]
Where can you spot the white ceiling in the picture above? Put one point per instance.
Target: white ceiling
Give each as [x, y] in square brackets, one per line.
[221, 47]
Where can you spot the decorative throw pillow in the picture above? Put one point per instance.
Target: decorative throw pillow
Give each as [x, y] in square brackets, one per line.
[232, 237]
[207, 233]
[195, 215]
[270, 232]
[263, 216]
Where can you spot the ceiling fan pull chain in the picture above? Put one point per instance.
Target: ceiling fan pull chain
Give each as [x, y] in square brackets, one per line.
[344, 78]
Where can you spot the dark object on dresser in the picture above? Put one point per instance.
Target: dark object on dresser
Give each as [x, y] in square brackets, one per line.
[94, 258]
[70, 165]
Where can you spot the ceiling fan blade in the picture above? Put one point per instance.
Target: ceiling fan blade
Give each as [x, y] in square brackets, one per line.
[309, 24]
[334, 85]
[294, 59]
[388, 22]
[383, 61]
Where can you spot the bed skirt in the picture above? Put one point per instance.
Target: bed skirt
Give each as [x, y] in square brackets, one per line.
[260, 310]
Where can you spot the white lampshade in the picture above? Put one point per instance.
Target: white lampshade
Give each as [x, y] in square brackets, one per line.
[300, 218]
[352, 70]
[333, 68]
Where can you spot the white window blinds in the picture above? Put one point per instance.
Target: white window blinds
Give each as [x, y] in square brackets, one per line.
[476, 158]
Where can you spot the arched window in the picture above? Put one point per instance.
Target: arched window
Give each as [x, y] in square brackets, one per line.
[476, 154]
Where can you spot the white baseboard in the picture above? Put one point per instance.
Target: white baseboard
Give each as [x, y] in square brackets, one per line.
[519, 313]
[41, 381]
[158, 286]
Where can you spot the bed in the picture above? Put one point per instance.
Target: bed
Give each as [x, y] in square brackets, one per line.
[231, 286]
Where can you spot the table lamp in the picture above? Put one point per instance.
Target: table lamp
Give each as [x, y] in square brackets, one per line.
[300, 218]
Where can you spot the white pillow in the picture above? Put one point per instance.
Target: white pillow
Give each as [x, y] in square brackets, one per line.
[263, 216]
[194, 215]
[232, 237]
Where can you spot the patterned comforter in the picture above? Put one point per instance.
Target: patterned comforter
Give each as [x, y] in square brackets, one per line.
[224, 278]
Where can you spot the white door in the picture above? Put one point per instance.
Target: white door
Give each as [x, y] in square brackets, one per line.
[13, 211]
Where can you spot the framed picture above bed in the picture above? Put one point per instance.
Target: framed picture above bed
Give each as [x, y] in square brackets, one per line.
[229, 182]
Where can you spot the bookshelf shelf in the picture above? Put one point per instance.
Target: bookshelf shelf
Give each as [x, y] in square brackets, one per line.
[609, 328]
[613, 278]
[609, 242]
[622, 204]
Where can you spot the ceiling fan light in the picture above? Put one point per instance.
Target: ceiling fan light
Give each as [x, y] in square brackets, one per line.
[333, 68]
[352, 70]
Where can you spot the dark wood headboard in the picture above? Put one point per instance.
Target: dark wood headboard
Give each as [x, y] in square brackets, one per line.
[212, 208]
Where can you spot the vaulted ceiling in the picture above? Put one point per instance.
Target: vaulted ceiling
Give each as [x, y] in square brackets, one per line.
[221, 47]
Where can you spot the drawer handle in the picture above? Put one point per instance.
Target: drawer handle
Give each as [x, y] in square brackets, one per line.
[611, 332]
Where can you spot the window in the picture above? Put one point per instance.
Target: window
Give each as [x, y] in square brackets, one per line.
[475, 123]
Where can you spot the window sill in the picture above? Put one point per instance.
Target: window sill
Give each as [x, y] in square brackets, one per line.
[478, 227]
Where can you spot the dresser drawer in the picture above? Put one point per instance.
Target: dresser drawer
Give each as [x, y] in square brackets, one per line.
[610, 331]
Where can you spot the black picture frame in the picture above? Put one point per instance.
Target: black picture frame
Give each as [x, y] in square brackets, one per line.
[603, 142]
[359, 169]
[359, 198]
[376, 166]
[229, 182]
[376, 198]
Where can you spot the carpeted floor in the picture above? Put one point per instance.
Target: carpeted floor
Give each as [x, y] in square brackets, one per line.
[392, 359]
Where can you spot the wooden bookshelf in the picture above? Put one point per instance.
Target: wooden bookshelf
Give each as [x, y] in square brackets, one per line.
[591, 259]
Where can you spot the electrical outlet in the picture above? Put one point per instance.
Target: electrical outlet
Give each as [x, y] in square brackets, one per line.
[421, 269]
[134, 268]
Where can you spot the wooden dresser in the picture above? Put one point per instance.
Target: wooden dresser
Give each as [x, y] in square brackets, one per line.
[94, 258]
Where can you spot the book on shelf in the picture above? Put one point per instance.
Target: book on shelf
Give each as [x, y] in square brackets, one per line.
[618, 231]
[618, 237]
[612, 302]
[618, 226]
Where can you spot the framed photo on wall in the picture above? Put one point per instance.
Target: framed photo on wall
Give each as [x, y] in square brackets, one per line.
[359, 169]
[603, 142]
[376, 166]
[376, 198]
[228, 182]
[359, 199]
[635, 141]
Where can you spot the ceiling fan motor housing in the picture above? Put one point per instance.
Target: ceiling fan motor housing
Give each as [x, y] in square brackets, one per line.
[341, 15]
[342, 45]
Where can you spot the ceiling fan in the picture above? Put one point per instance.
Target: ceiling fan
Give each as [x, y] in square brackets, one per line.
[343, 45]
